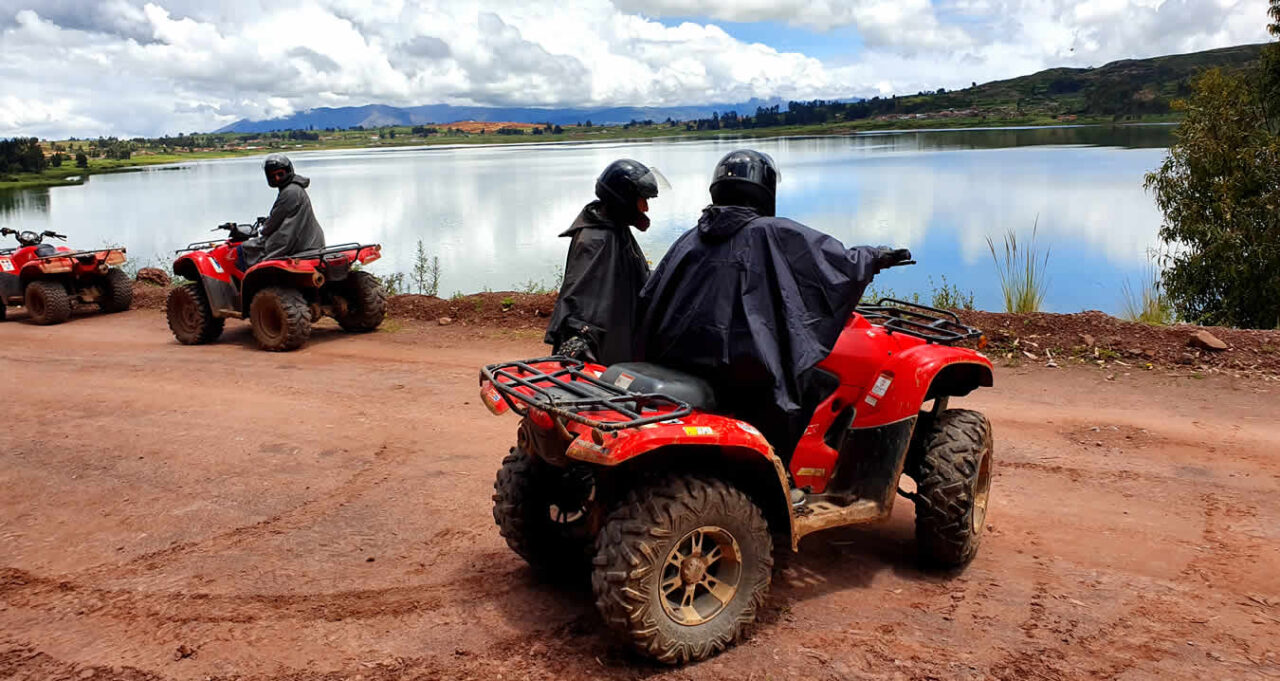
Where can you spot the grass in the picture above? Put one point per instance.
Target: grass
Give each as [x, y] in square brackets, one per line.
[1023, 279]
[1148, 305]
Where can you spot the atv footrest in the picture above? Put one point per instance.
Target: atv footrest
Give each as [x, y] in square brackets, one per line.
[566, 388]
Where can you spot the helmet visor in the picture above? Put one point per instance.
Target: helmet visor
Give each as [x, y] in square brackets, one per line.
[651, 183]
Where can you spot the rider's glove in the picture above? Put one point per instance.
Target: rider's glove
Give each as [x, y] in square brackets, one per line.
[575, 348]
[888, 257]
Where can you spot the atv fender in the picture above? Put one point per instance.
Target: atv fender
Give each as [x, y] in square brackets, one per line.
[720, 446]
[197, 266]
[917, 375]
[283, 273]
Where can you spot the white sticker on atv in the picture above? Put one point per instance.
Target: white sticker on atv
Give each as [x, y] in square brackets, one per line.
[871, 400]
[6, 264]
[882, 385]
[748, 428]
[624, 381]
[216, 267]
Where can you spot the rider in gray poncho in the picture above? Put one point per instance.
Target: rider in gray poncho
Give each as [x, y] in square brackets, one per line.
[291, 227]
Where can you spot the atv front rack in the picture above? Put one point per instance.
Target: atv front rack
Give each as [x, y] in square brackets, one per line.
[930, 323]
[199, 246]
[574, 393]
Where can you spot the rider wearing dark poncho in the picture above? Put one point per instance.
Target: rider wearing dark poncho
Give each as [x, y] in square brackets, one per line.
[291, 226]
[753, 302]
[595, 315]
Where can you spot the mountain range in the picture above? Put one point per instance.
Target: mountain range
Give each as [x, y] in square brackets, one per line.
[380, 115]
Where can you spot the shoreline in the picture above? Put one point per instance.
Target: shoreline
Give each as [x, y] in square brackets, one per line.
[61, 177]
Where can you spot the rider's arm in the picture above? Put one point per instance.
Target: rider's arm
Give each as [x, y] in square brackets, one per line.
[287, 203]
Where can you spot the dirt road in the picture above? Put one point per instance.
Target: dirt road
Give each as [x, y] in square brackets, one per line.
[172, 512]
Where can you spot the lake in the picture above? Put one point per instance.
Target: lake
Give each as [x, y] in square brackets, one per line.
[492, 213]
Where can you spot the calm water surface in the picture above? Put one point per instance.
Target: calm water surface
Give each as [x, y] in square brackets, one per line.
[492, 214]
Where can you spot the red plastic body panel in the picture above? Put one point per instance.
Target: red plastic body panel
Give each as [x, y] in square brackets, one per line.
[885, 376]
[26, 263]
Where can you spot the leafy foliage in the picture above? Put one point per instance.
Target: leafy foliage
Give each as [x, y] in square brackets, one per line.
[1219, 190]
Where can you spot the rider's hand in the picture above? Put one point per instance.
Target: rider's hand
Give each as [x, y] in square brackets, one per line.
[575, 348]
[888, 257]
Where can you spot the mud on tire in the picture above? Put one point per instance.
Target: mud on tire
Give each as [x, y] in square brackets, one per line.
[281, 319]
[641, 565]
[47, 302]
[117, 292]
[953, 480]
[366, 300]
[191, 317]
[525, 514]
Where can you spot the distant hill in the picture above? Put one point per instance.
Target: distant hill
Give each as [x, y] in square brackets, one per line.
[378, 115]
[1126, 87]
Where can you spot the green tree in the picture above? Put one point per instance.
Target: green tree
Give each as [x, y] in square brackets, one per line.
[1219, 190]
[82, 161]
[1274, 13]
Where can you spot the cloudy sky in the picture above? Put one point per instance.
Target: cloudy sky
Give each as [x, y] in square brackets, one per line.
[138, 67]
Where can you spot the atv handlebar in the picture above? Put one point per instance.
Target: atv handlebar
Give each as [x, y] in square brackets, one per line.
[54, 235]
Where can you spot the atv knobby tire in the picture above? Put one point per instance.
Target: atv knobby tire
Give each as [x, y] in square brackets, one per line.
[47, 302]
[953, 480]
[4, 309]
[638, 572]
[117, 292]
[366, 303]
[281, 319]
[191, 317]
[522, 508]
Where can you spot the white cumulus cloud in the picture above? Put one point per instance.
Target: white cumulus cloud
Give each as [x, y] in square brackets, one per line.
[128, 67]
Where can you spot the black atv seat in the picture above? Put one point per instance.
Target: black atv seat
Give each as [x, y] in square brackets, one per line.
[643, 377]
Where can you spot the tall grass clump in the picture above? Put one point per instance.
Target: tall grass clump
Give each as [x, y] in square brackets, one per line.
[426, 272]
[1149, 305]
[1022, 270]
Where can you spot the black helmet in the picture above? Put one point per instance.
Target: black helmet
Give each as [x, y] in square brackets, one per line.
[622, 184]
[278, 169]
[746, 178]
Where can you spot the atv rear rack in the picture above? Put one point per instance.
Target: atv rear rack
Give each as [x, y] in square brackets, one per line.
[571, 392]
[930, 323]
[80, 254]
[320, 253]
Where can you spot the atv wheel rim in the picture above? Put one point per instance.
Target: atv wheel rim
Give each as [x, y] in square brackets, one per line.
[271, 321]
[572, 499]
[35, 304]
[701, 575]
[981, 492]
[188, 314]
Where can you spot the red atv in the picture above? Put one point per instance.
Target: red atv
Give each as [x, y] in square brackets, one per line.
[48, 279]
[281, 298]
[677, 508]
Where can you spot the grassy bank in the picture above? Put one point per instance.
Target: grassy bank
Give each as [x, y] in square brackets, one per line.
[69, 174]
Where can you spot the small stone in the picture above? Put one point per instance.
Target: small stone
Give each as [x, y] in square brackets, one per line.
[444, 321]
[1051, 364]
[1087, 340]
[1029, 355]
[1207, 341]
[184, 651]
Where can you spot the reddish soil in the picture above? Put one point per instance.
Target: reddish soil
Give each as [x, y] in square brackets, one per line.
[217, 512]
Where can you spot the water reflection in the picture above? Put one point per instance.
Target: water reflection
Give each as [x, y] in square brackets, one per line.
[492, 213]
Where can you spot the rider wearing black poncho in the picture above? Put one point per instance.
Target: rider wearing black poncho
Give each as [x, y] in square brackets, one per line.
[752, 302]
[595, 315]
[291, 227]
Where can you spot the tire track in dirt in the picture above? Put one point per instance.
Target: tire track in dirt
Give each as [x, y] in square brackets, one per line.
[362, 481]
[61, 597]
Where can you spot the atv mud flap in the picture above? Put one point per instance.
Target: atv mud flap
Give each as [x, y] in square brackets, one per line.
[223, 297]
[871, 460]
[10, 286]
